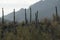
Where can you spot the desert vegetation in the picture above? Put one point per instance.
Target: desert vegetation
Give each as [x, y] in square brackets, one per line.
[34, 30]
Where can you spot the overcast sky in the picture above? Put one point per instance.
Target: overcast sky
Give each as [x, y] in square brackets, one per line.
[9, 5]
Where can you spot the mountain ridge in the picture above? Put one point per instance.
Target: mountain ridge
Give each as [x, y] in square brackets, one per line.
[45, 8]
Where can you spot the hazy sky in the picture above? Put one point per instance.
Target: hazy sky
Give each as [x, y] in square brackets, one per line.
[9, 5]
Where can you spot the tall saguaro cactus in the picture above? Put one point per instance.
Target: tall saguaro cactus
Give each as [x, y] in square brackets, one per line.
[36, 19]
[30, 14]
[3, 29]
[2, 16]
[56, 11]
[14, 15]
[56, 14]
[36, 16]
[25, 17]
[14, 25]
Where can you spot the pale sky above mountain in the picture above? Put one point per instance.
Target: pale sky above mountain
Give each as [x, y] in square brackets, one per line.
[9, 5]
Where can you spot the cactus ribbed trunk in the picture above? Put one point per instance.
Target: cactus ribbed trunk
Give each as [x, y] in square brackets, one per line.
[14, 16]
[25, 17]
[30, 15]
[56, 14]
[56, 11]
[2, 16]
[36, 19]
[2, 32]
[14, 25]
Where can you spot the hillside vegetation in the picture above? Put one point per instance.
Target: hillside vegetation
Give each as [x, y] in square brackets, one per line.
[44, 31]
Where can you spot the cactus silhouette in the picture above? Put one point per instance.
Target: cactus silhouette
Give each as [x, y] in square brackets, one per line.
[14, 25]
[25, 17]
[14, 15]
[2, 16]
[14, 21]
[30, 15]
[36, 18]
[56, 14]
[3, 29]
[56, 11]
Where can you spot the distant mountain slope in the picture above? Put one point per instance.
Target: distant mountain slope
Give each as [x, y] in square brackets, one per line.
[46, 9]
[19, 15]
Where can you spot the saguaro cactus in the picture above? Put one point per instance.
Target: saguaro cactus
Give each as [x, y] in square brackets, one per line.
[14, 15]
[56, 14]
[3, 29]
[25, 17]
[15, 31]
[30, 15]
[56, 11]
[2, 16]
[36, 19]
[36, 16]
